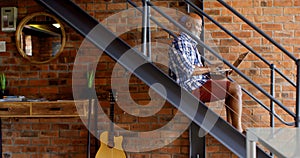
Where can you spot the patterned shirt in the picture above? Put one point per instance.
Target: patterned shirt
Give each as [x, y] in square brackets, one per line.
[183, 57]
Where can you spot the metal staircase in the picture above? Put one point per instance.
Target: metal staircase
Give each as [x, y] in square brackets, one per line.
[101, 37]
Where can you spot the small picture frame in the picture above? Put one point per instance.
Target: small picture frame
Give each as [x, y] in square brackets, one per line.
[8, 19]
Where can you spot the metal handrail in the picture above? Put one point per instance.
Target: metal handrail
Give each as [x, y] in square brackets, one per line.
[297, 85]
[219, 57]
[254, 52]
[270, 110]
[258, 30]
[247, 92]
[240, 41]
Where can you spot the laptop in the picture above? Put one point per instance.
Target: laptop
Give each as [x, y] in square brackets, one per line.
[227, 72]
[239, 60]
[236, 63]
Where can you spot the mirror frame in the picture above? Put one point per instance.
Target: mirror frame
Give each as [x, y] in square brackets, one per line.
[20, 29]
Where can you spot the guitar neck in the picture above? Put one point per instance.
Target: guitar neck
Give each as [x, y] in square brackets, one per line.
[111, 115]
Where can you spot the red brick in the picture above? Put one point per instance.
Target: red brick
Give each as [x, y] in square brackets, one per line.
[48, 75]
[161, 4]
[251, 11]
[230, 42]
[166, 111]
[272, 11]
[49, 134]
[40, 141]
[212, 4]
[23, 155]
[242, 4]
[161, 155]
[41, 155]
[49, 90]
[172, 150]
[272, 27]
[69, 134]
[38, 82]
[291, 11]
[243, 34]
[263, 18]
[29, 75]
[211, 27]
[117, 6]
[291, 41]
[283, 3]
[30, 149]
[225, 19]
[40, 126]
[213, 149]
[22, 141]
[62, 141]
[92, 7]
[291, 26]
[285, 19]
[212, 12]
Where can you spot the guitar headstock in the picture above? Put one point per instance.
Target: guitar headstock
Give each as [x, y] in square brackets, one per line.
[112, 95]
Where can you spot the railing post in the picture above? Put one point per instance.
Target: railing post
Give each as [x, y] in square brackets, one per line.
[297, 118]
[272, 92]
[146, 37]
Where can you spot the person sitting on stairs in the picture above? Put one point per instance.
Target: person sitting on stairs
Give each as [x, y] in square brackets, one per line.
[185, 62]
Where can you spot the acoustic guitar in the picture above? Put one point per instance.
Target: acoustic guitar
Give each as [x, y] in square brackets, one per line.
[110, 146]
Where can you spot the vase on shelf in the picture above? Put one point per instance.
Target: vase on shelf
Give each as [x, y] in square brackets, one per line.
[3, 93]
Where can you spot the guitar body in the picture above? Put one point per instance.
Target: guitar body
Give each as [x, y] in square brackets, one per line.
[107, 152]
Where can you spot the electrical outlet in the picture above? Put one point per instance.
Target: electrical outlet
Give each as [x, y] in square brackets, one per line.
[2, 46]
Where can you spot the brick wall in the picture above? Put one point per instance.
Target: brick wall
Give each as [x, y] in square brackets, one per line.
[279, 20]
[66, 137]
[43, 137]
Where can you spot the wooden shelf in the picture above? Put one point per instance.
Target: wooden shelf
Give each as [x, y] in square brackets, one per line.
[44, 109]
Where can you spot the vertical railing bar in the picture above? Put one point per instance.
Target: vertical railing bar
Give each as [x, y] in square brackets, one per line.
[188, 9]
[144, 37]
[197, 143]
[297, 118]
[149, 32]
[272, 92]
[153, 19]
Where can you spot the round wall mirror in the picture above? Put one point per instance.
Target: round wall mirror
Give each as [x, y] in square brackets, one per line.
[40, 37]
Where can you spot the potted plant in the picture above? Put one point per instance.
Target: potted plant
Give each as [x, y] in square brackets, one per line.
[3, 85]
